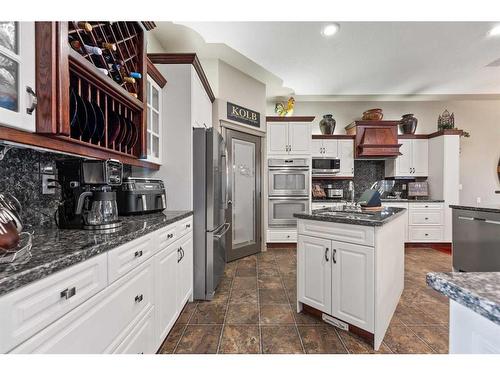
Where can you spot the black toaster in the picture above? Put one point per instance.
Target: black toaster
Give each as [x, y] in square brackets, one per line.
[138, 195]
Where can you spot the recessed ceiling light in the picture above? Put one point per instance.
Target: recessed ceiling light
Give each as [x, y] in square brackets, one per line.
[495, 31]
[330, 29]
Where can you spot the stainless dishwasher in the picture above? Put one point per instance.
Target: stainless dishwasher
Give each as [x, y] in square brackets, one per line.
[476, 241]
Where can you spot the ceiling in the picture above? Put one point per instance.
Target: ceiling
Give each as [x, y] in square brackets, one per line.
[363, 58]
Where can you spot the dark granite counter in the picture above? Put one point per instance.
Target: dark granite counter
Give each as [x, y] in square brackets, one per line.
[413, 200]
[479, 291]
[374, 219]
[495, 208]
[55, 249]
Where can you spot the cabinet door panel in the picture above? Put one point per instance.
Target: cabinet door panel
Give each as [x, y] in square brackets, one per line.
[404, 162]
[299, 137]
[346, 156]
[166, 290]
[420, 157]
[185, 270]
[331, 147]
[314, 272]
[277, 133]
[353, 284]
[317, 148]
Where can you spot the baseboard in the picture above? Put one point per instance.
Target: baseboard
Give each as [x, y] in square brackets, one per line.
[281, 245]
[444, 247]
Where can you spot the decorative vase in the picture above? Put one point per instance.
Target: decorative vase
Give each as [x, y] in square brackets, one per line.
[327, 124]
[408, 124]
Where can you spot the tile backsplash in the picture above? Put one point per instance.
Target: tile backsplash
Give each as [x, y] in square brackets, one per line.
[20, 176]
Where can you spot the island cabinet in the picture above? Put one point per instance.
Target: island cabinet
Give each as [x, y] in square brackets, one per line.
[123, 301]
[353, 273]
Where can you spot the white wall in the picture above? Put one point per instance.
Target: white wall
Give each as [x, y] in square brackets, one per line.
[479, 154]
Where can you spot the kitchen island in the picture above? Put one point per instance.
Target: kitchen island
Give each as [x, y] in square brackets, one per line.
[350, 267]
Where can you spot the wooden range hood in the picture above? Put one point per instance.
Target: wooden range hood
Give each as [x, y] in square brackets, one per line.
[375, 139]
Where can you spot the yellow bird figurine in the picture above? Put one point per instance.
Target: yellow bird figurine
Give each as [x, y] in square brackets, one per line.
[282, 111]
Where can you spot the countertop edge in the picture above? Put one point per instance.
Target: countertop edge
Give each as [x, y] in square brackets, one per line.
[475, 208]
[340, 220]
[9, 284]
[464, 296]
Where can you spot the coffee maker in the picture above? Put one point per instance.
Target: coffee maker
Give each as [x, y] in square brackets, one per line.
[87, 201]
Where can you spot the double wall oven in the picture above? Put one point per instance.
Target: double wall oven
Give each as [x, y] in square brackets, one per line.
[288, 190]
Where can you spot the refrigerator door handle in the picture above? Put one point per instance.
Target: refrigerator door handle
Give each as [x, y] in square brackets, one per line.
[226, 228]
[226, 195]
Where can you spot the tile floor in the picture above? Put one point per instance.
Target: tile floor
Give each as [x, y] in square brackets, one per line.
[254, 312]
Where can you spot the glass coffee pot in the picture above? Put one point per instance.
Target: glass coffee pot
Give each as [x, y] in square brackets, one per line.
[101, 212]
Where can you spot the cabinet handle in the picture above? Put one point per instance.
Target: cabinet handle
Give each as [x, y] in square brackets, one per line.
[170, 235]
[34, 102]
[326, 254]
[188, 225]
[138, 254]
[333, 256]
[182, 252]
[426, 234]
[139, 298]
[68, 293]
[426, 218]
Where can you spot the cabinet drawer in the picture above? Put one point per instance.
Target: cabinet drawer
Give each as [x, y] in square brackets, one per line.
[426, 233]
[126, 257]
[100, 324]
[28, 310]
[166, 236]
[426, 206]
[185, 226]
[142, 338]
[426, 217]
[357, 234]
[281, 236]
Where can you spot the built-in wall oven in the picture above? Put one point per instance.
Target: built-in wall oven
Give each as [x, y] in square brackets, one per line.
[288, 190]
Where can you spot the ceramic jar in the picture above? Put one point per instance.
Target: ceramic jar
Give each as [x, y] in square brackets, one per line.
[327, 124]
[408, 124]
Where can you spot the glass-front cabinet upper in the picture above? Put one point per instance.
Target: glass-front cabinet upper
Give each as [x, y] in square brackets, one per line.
[154, 130]
[17, 75]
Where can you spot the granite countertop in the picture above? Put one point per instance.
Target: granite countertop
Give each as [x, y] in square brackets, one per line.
[479, 291]
[374, 219]
[482, 207]
[55, 249]
[413, 200]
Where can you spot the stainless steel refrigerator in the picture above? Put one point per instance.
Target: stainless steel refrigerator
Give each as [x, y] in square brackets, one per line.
[210, 197]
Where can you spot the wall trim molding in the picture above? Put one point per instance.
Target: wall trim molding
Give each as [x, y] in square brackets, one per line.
[184, 58]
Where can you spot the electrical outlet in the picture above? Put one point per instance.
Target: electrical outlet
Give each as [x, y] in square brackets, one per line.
[48, 186]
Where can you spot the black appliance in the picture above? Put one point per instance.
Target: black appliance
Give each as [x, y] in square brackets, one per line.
[324, 167]
[87, 201]
[141, 195]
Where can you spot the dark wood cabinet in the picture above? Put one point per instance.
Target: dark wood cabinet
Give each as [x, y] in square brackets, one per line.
[63, 71]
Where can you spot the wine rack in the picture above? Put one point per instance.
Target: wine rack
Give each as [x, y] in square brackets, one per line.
[118, 40]
[82, 71]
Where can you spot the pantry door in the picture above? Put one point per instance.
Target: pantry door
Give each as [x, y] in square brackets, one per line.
[244, 206]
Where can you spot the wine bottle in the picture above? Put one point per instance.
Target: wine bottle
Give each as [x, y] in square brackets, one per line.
[134, 95]
[85, 26]
[103, 71]
[129, 79]
[135, 75]
[108, 46]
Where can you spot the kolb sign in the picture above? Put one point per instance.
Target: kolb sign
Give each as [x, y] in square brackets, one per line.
[243, 115]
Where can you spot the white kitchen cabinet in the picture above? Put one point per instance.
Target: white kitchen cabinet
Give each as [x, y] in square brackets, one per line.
[291, 138]
[353, 275]
[154, 119]
[142, 338]
[314, 272]
[185, 270]
[346, 156]
[412, 163]
[325, 148]
[166, 290]
[202, 106]
[30, 309]
[17, 75]
[100, 324]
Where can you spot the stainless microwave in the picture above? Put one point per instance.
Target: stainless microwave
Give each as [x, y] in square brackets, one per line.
[325, 166]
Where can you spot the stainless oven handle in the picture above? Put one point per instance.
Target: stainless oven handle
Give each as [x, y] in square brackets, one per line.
[289, 199]
[286, 169]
